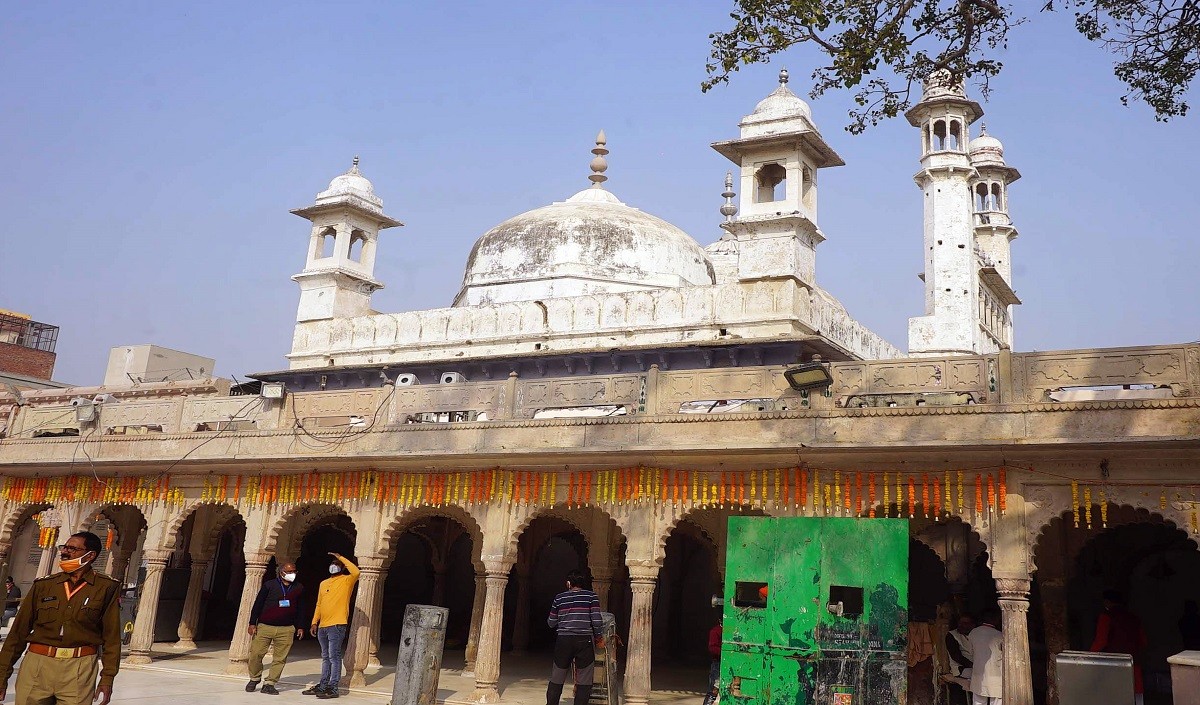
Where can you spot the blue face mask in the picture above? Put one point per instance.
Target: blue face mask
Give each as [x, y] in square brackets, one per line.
[335, 569]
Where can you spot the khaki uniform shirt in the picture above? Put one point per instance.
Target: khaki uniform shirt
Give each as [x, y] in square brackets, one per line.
[92, 617]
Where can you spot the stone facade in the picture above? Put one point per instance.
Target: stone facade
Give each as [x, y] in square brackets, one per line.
[615, 425]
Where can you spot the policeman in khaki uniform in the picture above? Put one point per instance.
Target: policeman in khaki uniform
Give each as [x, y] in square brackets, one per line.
[65, 621]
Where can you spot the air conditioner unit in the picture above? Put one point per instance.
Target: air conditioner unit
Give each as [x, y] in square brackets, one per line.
[452, 378]
[406, 380]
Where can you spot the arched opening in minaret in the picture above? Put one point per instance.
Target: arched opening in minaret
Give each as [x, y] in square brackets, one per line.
[771, 183]
[357, 241]
[981, 197]
[997, 197]
[325, 243]
[939, 135]
[955, 139]
[808, 188]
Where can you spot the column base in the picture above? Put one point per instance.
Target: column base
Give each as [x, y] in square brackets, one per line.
[185, 645]
[138, 658]
[484, 695]
[636, 700]
[357, 679]
[237, 667]
[373, 662]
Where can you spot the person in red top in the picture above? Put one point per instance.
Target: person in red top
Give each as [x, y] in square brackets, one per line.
[714, 671]
[1119, 631]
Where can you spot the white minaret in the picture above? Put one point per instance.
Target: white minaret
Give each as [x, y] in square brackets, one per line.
[951, 324]
[778, 154]
[338, 277]
[994, 233]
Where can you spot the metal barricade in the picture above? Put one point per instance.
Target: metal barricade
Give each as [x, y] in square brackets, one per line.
[1088, 678]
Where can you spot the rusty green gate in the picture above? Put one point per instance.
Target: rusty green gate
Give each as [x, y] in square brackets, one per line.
[816, 612]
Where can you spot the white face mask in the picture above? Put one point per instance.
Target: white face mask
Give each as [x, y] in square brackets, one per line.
[335, 569]
[289, 577]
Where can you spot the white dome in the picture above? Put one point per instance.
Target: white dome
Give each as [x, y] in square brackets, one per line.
[591, 243]
[781, 104]
[780, 112]
[350, 184]
[986, 142]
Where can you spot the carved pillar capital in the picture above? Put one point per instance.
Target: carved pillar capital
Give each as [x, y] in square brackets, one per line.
[158, 556]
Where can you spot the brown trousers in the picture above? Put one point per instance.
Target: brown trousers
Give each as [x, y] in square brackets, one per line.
[44, 680]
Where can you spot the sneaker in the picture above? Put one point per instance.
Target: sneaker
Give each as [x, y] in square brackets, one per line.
[251, 686]
[269, 689]
[315, 690]
[327, 694]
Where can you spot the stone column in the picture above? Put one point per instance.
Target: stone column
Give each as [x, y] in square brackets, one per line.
[190, 620]
[520, 634]
[376, 624]
[487, 663]
[642, 580]
[439, 584]
[239, 647]
[1014, 606]
[360, 638]
[476, 619]
[120, 566]
[47, 563]
[147, 609]
[602, 585]
[5, 551]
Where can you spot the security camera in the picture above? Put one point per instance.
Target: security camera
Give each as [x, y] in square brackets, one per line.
[81, 402]
[103, 399]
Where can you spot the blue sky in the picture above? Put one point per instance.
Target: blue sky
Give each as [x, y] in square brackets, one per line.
[151, 152]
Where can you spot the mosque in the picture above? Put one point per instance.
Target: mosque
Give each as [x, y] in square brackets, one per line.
[602, 393]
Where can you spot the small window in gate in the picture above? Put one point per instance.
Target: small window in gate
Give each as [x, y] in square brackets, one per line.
[845, 601]
[750, 595]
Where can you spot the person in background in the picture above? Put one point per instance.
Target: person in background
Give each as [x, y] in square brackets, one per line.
[1189, 626]
[714, 670]
[12, 599]
[1119, 631]
[987, 660]
[65, 621]
[274, 620]
[331, 623]
[958, 648]
[575, 618]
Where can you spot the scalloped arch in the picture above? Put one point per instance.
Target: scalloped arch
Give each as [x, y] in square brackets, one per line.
[1141, 515]
[306, 516]
[660, 540]
[572, 516]
[401, 522]
[17, 517]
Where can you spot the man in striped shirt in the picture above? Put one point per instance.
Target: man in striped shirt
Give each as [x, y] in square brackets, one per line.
[575, 616]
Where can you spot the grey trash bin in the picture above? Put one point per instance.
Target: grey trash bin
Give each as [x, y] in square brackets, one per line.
[1087, 678]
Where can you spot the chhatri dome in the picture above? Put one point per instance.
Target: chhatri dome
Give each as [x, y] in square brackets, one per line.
[781, 111]
[351, 186]
[590, 243]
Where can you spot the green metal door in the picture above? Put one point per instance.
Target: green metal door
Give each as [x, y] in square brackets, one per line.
[815, 611]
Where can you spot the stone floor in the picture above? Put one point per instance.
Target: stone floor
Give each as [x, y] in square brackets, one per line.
[522, 678]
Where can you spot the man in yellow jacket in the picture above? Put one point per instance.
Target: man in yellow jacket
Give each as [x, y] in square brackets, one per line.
[331, 623]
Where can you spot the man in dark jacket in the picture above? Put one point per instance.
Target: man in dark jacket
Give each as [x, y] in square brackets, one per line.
[274, 621]
[575, 616]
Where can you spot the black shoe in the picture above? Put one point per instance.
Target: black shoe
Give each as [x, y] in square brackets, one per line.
[269, 689]
[327, 694]
[251, 686]
[315, 690]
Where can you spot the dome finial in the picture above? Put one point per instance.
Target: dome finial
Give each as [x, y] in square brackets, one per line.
[730, 209]
[354, 166]
[783, 77]
[982, 129]
[599, 163]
